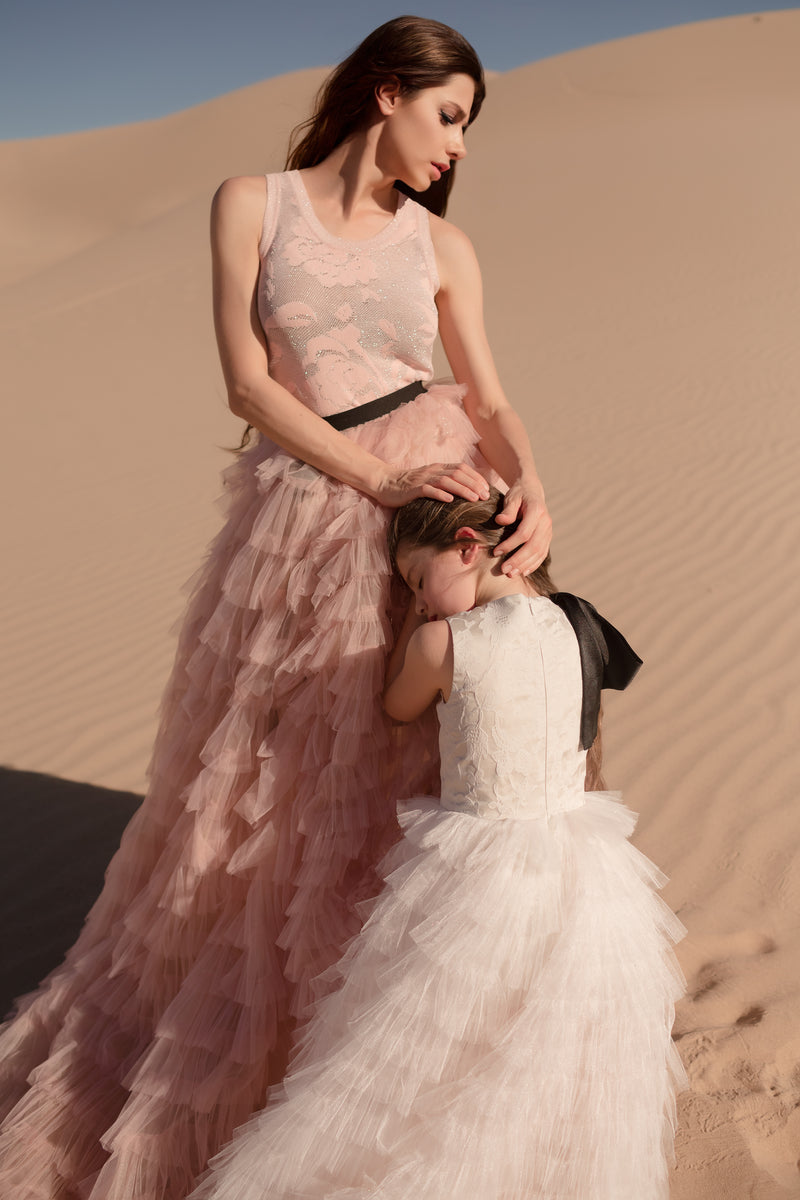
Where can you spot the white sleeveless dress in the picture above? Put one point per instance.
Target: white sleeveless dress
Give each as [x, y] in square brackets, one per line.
[502, 1028]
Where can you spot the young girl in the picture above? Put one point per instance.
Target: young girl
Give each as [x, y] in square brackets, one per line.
[502, 1026]
[272, 791]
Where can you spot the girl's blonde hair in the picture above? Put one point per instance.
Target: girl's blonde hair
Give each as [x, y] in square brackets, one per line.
[426, 522]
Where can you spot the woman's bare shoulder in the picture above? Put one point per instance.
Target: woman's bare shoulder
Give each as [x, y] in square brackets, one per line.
[455, 254]
[447, 237]
[241, 196]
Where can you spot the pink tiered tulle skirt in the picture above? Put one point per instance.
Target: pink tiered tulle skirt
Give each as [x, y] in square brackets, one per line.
[274, 785]
[501, 1032]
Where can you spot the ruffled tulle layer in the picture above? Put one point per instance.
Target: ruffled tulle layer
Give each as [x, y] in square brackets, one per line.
[502, 1028]
[274, 785]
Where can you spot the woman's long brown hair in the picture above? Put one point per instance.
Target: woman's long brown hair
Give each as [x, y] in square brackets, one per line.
[426, 522]
[416, 52]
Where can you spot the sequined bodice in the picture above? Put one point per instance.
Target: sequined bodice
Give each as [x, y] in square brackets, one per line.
[510, 732]
[345, 321]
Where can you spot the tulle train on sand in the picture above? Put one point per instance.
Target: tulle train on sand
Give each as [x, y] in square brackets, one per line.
[274, 785]
[502, 1030]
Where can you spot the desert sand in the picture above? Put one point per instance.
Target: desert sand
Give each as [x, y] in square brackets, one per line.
[635, 208]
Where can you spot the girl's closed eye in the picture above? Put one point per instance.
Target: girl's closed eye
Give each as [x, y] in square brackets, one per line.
[446, 118]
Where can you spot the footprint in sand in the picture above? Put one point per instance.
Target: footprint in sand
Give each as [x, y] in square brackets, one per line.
[758, 1099]
[717, 968]
[713, 1012]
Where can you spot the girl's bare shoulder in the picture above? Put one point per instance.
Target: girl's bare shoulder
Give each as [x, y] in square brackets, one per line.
[433, 643]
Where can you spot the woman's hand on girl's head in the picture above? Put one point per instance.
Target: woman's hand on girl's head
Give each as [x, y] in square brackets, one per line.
[526, 548]
[436, 481]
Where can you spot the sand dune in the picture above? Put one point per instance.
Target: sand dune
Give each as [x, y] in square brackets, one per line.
[634, 206]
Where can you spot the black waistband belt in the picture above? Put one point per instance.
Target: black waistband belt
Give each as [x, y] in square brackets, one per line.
[375, 408]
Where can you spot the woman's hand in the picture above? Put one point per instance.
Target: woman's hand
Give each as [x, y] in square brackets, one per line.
[530, 541]
[437, 481]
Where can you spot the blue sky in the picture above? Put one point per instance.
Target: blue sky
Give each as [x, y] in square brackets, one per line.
[78, 64]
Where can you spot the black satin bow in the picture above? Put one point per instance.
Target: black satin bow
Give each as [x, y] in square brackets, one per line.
[607, 661]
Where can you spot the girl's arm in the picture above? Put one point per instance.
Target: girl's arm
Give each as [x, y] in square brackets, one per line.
[236, 219]
[411, 624]
[420, 668]
[504, 441]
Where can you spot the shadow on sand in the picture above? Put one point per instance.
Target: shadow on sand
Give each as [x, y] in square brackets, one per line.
[58, 837]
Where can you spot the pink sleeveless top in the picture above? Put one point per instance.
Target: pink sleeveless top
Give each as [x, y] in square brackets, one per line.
[345, 321]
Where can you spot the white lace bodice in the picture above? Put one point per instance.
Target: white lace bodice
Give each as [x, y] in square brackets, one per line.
[345, 321]
[510, 732]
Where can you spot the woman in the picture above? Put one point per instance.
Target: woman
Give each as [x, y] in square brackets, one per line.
[273, 789]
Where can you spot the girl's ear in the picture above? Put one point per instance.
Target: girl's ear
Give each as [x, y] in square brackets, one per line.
[468, 543]
[387, 96]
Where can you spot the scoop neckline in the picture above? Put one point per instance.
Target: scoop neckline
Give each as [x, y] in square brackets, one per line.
[528, 598]
[305, 200]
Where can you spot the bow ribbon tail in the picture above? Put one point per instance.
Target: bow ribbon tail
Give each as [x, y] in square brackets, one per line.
[607, 660]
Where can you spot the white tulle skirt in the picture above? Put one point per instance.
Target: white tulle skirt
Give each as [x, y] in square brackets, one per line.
[501, 1030]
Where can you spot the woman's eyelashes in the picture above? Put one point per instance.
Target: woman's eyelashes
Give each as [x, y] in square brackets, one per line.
[449, 119]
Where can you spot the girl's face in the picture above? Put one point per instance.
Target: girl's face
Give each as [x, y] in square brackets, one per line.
[444, 582]
[424, 132]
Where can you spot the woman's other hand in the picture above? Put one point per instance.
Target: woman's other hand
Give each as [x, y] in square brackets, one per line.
[436, 481]
[526, 548]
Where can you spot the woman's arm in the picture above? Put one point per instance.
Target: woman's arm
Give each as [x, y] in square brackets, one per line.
[420, 667]
[504, 441]
[236, 219]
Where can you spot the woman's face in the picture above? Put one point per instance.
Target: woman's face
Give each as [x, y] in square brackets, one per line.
[424, 132]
